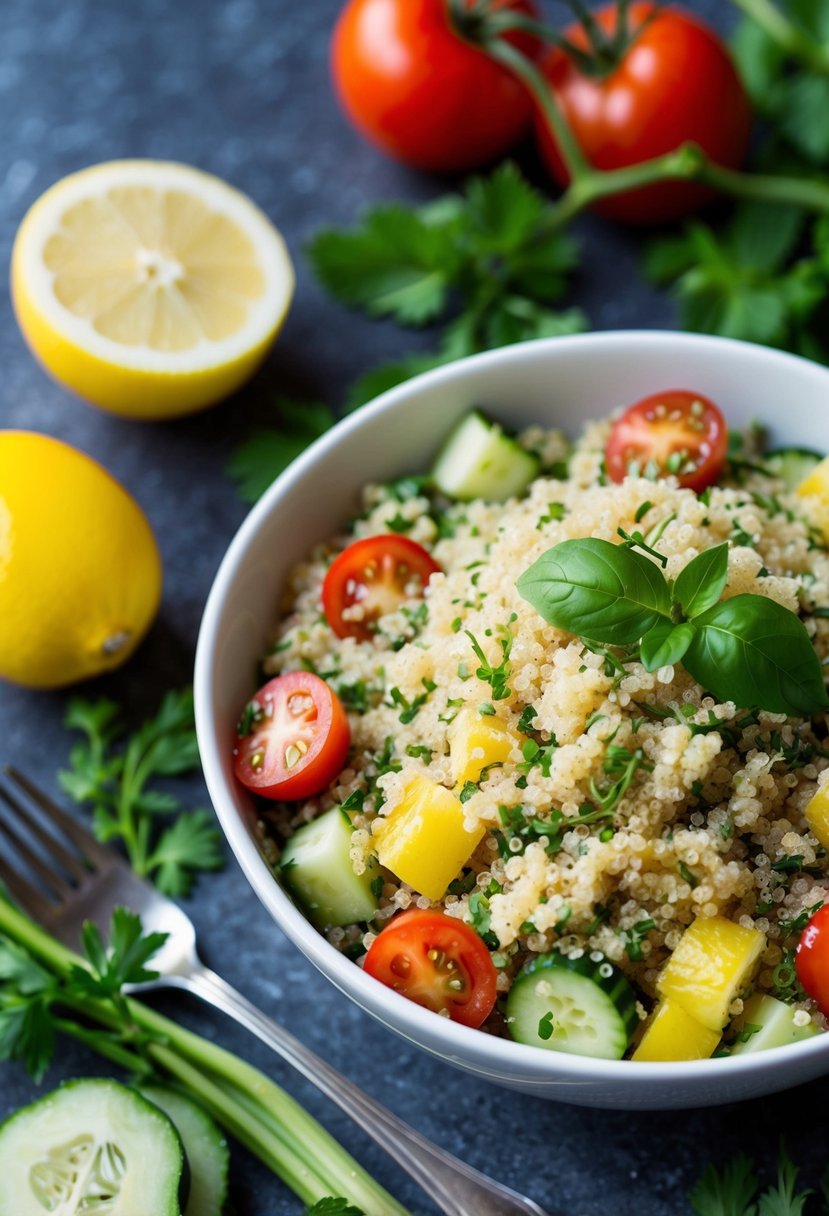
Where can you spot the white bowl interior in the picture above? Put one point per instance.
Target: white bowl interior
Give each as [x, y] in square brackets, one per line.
[556, 382]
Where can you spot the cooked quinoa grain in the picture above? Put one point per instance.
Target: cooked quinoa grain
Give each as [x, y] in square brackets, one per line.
[631, 803]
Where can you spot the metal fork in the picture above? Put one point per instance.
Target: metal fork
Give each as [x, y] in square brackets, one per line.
[71, 877]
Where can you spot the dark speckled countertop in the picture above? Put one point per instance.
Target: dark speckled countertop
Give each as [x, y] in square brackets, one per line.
[240, 88]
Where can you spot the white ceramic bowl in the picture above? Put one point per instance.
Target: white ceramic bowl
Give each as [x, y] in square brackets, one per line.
[559, 382]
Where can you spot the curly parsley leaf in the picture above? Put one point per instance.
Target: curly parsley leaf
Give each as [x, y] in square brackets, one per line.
[26, 993]
[27, 1033]
[398, 263]
[114, 779]
[123, 962]
[783, 1198]
[740, 282]
[190, 844]
[486, 264]
[789, 86]
[726, 1192]
[260, 458]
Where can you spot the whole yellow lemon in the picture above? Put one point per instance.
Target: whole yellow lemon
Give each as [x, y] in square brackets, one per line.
[80, 571]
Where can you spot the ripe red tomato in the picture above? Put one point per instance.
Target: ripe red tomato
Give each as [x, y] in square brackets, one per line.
[422, 94]
[676, 83]
[676, 432]
[370, 578]
[438, 962]
[293, 738]
[812, 958]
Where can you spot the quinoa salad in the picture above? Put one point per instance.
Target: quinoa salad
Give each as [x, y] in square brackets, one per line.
[601, 816]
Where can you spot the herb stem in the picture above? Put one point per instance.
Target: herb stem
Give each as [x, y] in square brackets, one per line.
[511, 58]
[788, 36]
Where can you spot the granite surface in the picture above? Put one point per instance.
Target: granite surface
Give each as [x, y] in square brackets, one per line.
[240, 87]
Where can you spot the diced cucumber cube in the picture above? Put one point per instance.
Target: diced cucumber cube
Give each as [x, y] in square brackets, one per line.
[316, 867]
[479, 461]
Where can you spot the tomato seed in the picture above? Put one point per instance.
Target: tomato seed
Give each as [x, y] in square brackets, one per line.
[292, 756]
[257, 759]
[400, 965]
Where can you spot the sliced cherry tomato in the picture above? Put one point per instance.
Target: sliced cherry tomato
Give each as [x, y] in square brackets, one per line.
[370, 578]
[674, 84]
[293, 738]
[812, 958]
[438, 962]
[677, 432]
[421, 93]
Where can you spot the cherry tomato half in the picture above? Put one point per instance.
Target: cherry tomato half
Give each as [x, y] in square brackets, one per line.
[676, 432]
[812, 958]
[675, 83]
[422, 94]
[370, 578]
[438, 962]
[293, 738]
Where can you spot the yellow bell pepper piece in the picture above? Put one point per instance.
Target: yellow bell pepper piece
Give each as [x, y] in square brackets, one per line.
[475, 742]
[817, 815]
[817, 482]
[672, 1034]
[711, 965]
[816, 485]
[423, 840]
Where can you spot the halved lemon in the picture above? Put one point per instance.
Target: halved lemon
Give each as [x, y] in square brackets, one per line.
[149, 288]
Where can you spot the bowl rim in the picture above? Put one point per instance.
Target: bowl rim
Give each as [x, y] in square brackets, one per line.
[461, 1044]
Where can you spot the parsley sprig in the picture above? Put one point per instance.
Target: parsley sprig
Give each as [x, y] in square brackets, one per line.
[486, 264]
[264, 454]
[735, 1191]
[117, 776]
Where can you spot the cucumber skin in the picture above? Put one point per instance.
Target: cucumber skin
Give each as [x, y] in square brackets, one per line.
[179, 1184]
[614, 987]
[208, 1180]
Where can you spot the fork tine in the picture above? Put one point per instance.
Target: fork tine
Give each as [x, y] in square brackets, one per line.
[51, 877]
[31, 900]
[89, 847]
[69, 861]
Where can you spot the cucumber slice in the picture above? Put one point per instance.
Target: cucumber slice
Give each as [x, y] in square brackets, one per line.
[317, 869]
[583, 1006]
[766, 1022]
[90, 1147]
[479, 461]
[205, 1147]
[792, 465]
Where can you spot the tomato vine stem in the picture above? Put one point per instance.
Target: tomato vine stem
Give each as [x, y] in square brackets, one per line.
[686, 163]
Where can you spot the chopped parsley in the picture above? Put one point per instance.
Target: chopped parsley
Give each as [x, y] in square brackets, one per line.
[496, 675]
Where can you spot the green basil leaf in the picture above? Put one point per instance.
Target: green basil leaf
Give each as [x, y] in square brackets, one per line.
[754, 652]
[702, 582]
[665, 644]
[604, 592]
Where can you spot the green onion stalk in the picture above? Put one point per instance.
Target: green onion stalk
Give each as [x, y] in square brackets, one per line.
[246, 1103]
[484, 26]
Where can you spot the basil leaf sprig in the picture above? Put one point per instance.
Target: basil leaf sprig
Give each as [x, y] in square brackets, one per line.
[747, 649]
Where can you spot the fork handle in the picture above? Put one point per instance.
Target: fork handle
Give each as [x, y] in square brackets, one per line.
[457, 1188]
